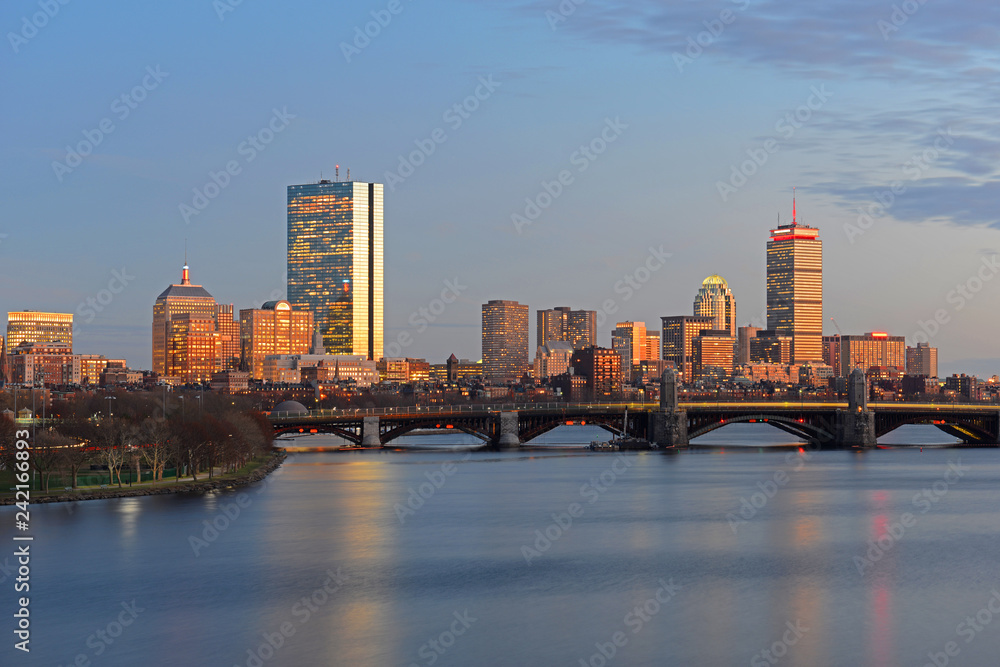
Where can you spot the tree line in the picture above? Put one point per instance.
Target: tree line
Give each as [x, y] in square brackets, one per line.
[141, 432]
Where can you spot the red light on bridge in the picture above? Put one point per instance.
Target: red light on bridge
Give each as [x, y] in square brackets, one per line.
[570, 423]
[765, 421]
[449, 426]
[312, 430]
[753, 421]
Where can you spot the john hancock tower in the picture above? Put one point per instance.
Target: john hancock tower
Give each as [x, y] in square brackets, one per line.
[335, 262]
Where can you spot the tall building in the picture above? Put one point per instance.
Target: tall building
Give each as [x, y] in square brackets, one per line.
[678, 337]
[229, 337]
[831, 352]
[180, 299]
[877, 348]
[712, 355]
[795, 288]
[274, 328]
[743, 337]
[505, 340]
[770, 347]
[44, 363]
[634, 344]
[715, 300]
[335, 262]
[602, 368]
[194, 347]
[922, 360]
[35, 327]
[579, 327]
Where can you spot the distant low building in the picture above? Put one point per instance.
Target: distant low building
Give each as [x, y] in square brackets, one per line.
[553, 358]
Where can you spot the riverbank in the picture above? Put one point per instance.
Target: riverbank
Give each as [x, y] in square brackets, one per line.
[226, 482]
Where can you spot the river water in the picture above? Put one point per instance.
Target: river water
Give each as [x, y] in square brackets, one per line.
[744, 555]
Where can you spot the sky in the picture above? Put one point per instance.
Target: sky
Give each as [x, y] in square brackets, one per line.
[599, 154]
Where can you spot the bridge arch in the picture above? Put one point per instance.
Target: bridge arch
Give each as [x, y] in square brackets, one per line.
[347, 432]
[797, 427]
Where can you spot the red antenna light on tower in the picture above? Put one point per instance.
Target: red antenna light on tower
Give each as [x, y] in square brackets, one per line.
[793, 205]
[338, 173]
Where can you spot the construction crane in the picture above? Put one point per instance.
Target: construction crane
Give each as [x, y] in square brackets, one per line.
[839, 332]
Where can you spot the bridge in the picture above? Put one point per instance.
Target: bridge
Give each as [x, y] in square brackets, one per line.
[853, 423]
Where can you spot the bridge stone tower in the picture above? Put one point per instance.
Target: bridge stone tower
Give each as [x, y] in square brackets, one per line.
[856, 425]
[508, 431]
[668, 427]
[370, 433]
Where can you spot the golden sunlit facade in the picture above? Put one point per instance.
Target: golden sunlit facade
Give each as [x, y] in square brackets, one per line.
[715, 300]
[505, 340]
[634, 344]
[795, 289]
[712, 354]
[274, 328]
[336, 260]
[579, 327]
[678, 337]
[194, 347]
[36, 327]
[177, 300]
[877, 348]
[229, 337]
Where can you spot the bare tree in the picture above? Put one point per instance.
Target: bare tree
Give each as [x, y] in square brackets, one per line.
[155, 435]
[46, 454]
[115, 437]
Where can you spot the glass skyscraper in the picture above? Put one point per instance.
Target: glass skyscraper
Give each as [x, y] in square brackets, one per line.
[715, 300]
[335, 262]
[795, 289]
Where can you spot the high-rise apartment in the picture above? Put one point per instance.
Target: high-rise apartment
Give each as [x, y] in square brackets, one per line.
[274, 328]
[795, 288]
[579, 327]
[876, 348]
[335, 262]
[505, 340]
[715, 300]
[634, 344]
[35, 327]
[922, 360]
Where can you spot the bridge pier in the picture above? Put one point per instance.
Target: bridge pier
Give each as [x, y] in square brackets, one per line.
[856, 425]
[369, 433]
[668, 425]
[509, 438]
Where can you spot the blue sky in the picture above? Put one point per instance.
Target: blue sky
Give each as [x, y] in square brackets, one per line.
[883, 97]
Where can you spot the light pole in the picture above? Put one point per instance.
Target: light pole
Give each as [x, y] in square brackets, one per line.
[109, 399]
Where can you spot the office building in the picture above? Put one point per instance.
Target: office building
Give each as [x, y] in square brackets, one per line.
[795, 288]
[602, 368]
[335, 262]
[194, 347]
[877, 348]
[274, 328]
[184, 298]
[579, 327]
[35, 327]
[630, 341]
[46, 364]
[770, 347]
[229, 337]
[715, 300]
[743, 337]
[320, 368]
[678, 334]
[505, 340]
[922, 360]
[553, 358]
[92, 366]
[712, 355]
[831, 352]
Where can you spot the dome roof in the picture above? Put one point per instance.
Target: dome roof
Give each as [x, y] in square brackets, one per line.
[290, 406]
[714, 279]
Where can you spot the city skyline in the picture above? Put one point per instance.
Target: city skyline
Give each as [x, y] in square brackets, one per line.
[763, 123]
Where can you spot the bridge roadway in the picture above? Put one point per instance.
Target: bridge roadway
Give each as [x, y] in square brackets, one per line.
[827, 424]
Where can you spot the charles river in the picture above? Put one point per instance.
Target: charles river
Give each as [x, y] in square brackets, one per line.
[744, 555]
